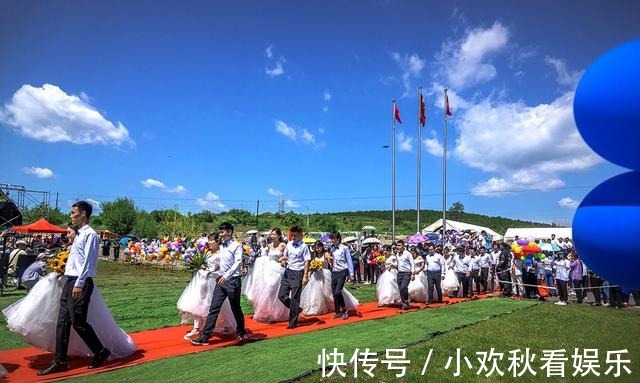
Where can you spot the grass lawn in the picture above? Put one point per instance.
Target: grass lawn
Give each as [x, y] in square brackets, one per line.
[144, 299]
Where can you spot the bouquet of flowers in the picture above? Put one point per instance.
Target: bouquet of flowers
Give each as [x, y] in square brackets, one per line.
[248, 255]
[196, 261]
[59, 262]
[315, 265]
[380, 259]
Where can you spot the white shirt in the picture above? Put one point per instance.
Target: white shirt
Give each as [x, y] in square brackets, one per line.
[562, 269]
[435, 263]
[461, 265]
[342, 258]
[230, 258]
[495, 256]
[485, 260]
[83, 257]
[297, 254]
[405, 262]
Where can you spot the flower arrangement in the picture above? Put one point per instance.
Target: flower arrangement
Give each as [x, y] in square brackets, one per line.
[315, 265]
[196, 261]
[380, 259]
[58, 262]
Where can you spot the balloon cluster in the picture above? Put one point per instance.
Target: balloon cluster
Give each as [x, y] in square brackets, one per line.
[526, 249]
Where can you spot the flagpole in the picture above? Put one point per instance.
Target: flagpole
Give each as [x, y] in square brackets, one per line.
[419, 159]
[393, 172]
[444, 173]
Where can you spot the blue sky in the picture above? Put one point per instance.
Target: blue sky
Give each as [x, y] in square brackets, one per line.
[215, 105]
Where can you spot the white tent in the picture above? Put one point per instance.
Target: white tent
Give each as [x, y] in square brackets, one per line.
[460, 226]
[537, 232]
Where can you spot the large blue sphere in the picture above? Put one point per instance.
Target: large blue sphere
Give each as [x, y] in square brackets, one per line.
[607, 105]
[606, 230]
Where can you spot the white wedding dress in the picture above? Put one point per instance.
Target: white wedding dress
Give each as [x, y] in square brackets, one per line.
[418, 286]
[195, 301]
[35, 318]
[261, 288]
[387, 289]
[317, 298]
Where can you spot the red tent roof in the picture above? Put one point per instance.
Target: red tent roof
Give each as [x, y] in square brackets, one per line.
[39, 226]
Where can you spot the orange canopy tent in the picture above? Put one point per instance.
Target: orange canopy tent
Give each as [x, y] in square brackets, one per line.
[39, 226]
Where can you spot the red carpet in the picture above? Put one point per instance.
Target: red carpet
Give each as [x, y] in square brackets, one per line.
[23, 363]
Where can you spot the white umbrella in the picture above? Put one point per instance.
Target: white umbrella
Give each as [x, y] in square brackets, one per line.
[371, 240]
[368, 228]
[350, 238]
[250, 232]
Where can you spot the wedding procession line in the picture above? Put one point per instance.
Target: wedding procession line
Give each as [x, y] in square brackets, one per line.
[67, 299]
[24, 363]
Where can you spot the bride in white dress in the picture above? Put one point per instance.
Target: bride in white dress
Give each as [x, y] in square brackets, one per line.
[418, 286]
[387, 289]
[35, 319]
[195, 301]
[262, 283]
[316, 297]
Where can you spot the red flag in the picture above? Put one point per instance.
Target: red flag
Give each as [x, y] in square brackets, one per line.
[447, 109]
[423, 113]
[396, 113]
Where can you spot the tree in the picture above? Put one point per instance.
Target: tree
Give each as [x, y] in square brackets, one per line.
[456, 210]
[55, 216]
[290, 219]
[119, 216]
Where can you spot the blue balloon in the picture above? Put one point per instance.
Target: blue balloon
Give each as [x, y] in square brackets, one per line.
[606, 227]
[607, 105]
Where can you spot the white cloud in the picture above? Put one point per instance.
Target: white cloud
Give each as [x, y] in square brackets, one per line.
[411, 66]
[49, 114]
[405, 143]
[308, 137]
[465, 62]
[293, 133]
[563, 76]
[94, 203]
[290, 203]
[211, 202]
[274, 192]
[497, 187]
[527, 146]
[327, 95]
[285, 130]
[39, 172]
[321, 130]
[433, 146]
[277, 66]
[276, 71]
[178, 189]
[325, 109]
[151, 183]
[569, 203]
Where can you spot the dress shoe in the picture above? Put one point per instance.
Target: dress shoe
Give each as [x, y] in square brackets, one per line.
[200, 341]
[405, 307]
[99, 358]
[338, 315]
[292, 326]
[241, 337]
[345, 315]
[53, 368]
